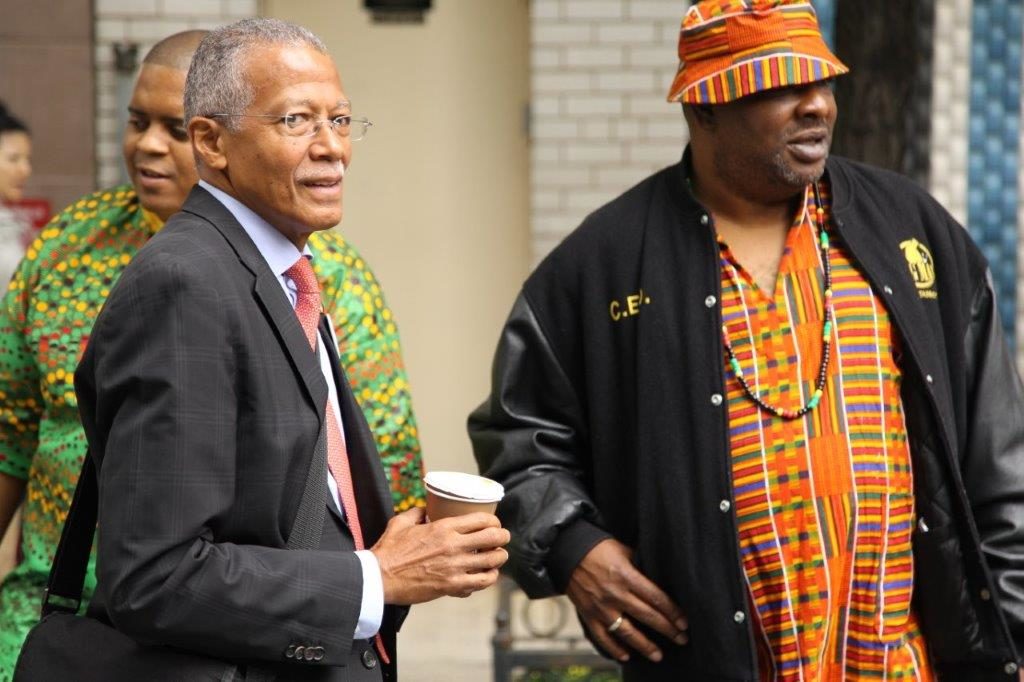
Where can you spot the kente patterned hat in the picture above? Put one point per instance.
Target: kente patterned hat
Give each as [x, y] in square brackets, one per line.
[733, 48]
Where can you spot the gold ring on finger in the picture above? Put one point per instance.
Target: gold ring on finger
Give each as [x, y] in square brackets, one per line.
[616, 624]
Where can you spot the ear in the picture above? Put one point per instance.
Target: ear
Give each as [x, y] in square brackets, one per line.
[207, 137]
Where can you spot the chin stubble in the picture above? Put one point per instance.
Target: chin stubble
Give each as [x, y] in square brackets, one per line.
[786, 172]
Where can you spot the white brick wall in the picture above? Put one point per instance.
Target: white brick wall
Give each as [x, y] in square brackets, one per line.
[950, 105]
[600, 70]
[144, 22]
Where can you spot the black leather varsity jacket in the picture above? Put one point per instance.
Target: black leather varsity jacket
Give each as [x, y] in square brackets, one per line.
[606, 418]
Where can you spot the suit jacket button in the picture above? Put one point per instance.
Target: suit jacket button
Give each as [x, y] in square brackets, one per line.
[290, 652]
[310, 653]
[319, 654]
[369, 659]
[299, 651]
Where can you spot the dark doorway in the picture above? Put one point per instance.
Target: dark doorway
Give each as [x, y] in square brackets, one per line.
[885, 100]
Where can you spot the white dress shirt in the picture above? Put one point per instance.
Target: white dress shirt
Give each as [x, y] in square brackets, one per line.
[280, 255]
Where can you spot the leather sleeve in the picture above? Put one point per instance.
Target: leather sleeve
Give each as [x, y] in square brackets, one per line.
[993, 468]
[531, 436]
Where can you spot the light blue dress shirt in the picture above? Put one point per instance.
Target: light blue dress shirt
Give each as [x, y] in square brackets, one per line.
[280, 255]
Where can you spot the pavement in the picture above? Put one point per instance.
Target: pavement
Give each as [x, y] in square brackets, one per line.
[449, 640]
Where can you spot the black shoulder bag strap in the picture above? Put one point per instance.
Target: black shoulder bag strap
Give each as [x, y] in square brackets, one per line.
[67, 575]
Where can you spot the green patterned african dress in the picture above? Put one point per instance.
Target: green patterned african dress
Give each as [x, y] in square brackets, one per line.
[45, 321]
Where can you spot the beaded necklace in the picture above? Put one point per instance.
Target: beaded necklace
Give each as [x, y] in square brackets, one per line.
[826, 332]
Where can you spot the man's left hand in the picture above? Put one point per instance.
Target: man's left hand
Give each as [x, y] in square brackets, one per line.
[451, 557]
[611, 596]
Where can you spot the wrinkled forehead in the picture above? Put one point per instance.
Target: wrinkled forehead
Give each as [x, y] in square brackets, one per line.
[339, 104]
[292, 71]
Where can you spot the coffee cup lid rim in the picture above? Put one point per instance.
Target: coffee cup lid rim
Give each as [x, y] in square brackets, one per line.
[452, 484]
[456, 498]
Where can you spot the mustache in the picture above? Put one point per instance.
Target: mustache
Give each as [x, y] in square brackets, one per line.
[333, 172]
[809, 129]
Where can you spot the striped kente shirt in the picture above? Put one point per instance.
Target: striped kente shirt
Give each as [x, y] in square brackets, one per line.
[824, 503]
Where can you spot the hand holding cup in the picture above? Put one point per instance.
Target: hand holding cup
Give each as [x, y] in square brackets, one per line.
[456, 554]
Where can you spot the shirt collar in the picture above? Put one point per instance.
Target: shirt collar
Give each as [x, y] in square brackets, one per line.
[275, 248]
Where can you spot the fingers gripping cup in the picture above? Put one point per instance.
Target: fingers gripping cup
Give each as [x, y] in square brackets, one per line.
[453, 493]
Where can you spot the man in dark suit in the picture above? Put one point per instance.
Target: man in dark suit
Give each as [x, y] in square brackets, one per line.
[215, 405]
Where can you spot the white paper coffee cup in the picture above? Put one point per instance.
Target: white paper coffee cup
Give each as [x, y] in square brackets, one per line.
[453, 493]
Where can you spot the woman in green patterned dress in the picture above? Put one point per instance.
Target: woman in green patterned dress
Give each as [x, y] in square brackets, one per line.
[60, 286]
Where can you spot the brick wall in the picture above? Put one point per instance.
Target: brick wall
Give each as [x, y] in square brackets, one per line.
[600, 123]
[143, 22]
[951, 102]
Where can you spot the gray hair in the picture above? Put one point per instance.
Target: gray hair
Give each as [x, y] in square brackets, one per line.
[216, 82]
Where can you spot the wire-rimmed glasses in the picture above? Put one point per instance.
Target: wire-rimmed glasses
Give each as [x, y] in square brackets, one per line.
[307, 125]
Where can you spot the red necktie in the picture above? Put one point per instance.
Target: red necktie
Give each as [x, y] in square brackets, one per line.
[307, 309]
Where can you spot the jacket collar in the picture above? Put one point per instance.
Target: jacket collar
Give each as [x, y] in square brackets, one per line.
[372, 492]
[268, 293]
[873, 234]
[874, 240]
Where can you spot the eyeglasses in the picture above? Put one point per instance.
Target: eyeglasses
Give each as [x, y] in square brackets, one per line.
[305, 125]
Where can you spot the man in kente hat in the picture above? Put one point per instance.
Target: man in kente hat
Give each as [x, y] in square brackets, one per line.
[756, 416]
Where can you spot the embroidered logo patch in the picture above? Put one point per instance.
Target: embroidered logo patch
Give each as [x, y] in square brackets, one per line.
[922, 267]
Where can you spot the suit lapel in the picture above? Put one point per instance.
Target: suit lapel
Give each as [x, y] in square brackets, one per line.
[267, 291]
[371, 487]
[282, 316]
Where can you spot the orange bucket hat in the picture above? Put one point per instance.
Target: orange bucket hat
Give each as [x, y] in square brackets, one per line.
[733, 48]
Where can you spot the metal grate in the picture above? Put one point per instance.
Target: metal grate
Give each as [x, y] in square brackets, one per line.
[526, 641]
